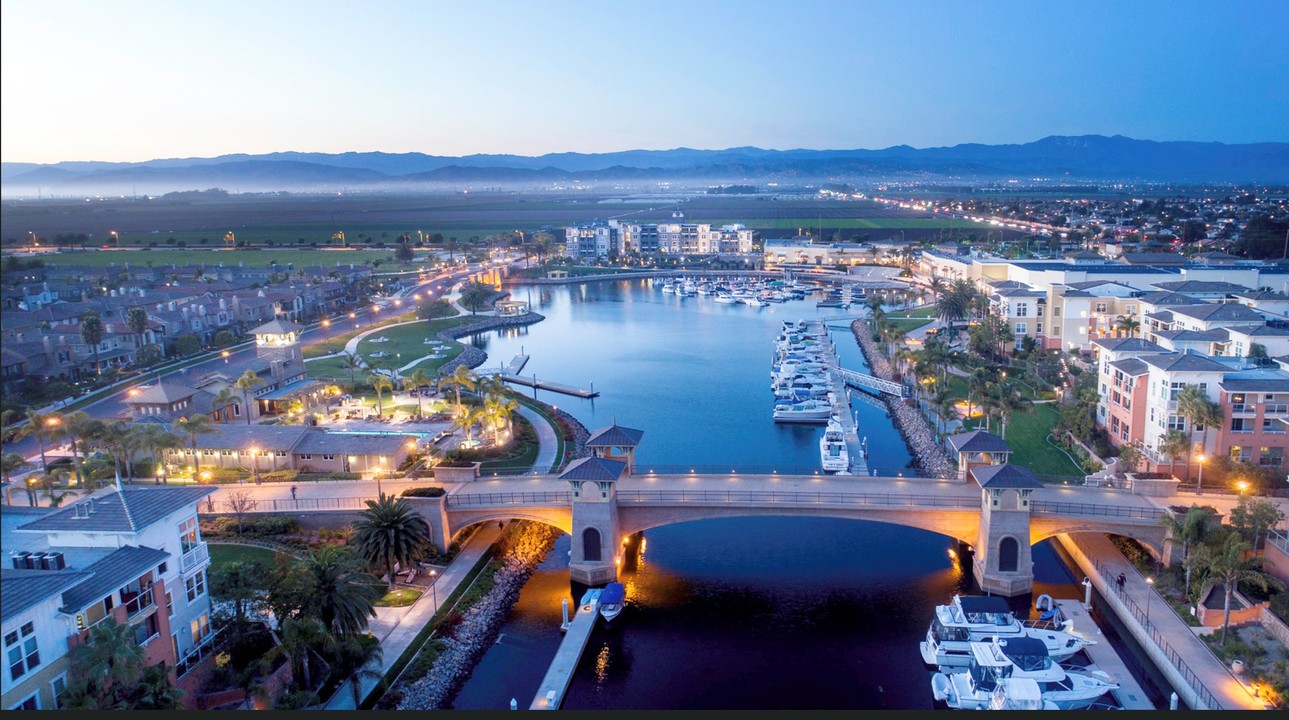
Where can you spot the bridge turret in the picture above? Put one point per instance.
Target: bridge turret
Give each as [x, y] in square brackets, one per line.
[1003, 562]
[977, 448]
[596, 552]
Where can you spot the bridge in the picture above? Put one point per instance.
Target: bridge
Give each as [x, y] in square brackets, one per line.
[868, 382]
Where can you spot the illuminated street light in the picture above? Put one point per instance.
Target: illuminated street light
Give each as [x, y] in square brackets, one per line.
[225, 355]
[1199, 482]
[326, 328]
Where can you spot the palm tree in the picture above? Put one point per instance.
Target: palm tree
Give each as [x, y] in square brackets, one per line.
[157, 439]
[1187, 530]
[496, 413]
[1194, 405]
[1174, 444]
[137, 320]
[245, 384]
[81, 429]
[300, 636]
[9, 463]
[381, 382]
[226, 397]
[475, 295]
[108, 659]
[193, 426]
[466, 417]
[338, 591]
[946, 407]
[352, 363]
[1228, 566]
[1127, 325]
[92, 335]
[390, 532]
[359, 659]
[461, 377]
[42, 426]
[117, 439]
[1010, 401]
[418, 379]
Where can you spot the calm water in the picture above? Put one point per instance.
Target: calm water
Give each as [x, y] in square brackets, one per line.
[737, 613]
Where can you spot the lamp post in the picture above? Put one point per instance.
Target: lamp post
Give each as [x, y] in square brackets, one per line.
[1150, 590]
[1241, 486]
[1199, 482]
[326, 328]
[255, 464]
[434, 588]
[225, 355]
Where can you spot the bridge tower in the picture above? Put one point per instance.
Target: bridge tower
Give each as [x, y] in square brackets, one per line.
[596, 554]
[1003, 561]
[616, 443]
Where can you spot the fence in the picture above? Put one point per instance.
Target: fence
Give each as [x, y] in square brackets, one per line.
[1068, 508]
[725, 496]
[284, 505]
[1202, 693]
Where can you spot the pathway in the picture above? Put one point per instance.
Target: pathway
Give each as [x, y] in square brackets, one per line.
[547, 442]
[398, 630]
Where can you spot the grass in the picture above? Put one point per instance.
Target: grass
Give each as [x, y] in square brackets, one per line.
[402, 597]
[885, 223]
[404, 339]
[1027, 434]
[221, 554]
[203, 256]
[906, 325]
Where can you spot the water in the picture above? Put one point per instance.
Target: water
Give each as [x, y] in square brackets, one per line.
[735, 613]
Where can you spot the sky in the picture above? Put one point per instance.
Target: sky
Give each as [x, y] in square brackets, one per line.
[129, 80]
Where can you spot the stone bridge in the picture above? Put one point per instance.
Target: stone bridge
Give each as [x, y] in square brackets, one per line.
[600, 510]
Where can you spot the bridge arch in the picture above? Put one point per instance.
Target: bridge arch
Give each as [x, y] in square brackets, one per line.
[1151, 537]
[963, 526]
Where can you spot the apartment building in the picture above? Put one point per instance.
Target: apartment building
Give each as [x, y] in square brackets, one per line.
[606, 239]
[134, 555]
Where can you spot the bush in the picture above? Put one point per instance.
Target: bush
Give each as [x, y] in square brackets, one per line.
[424, 492]
[1280, 606]
[280, 476]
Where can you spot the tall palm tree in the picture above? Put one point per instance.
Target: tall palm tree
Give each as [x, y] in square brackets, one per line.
[1174, 444]
[156, 439]
[116, 439]
[245, 384]
[81, 429]
[390, 532]
[108, 658]
[339, 592]
[10, 462]
[359, 659]
[381, 383]
[1127, 324]
[1199, 410]
[92, 335]
[1187, 530]
[496, 413]
[193, 427]
[418, 379]
[1011, 400]
[466, 416]
[352, 363]
[226, 397]
[301, 636]
[1228, 566]
[461, 377]
[44, 427]
[475, 295]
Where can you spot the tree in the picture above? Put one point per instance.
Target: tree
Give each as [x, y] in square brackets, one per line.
[1194, 404]
[462, 377]
[403, 252]
[81, 429]
[301, 636]
[1228, 566]
[43, 427]
[108, 664]
[245, 384]
[380, 384]
[92, 334]
[237, 582]
[223, 399]
[1263, 237]
[1130, 456]
[352, 363]
[116, 437]
[1174, 444]
[475, 295]
[1127, 324]
[187, 345]
[337, 590]
[359, 659]
[194, 426]
[9, 463]
[435, 308]
[1253, 518]
[1187, 530]
[543, 245]
[137, 320]
[240, 503]
[157, 439]
[1011, 400]
[417, 380]
[390, 532]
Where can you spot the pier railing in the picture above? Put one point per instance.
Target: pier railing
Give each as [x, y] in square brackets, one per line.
[1202, 694]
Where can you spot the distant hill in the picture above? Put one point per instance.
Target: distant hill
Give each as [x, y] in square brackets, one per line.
[1086, 157]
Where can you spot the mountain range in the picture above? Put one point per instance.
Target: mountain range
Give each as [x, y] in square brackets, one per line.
[1094, 158]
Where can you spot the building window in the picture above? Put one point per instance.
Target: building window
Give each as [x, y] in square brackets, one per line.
[328, 457]
[170, 604]
[1056, 311]
[196, 585]
[31, 703]
[1240, 426]
[1177, 422]
[1022, 310]
[1271, 456]
[200, 628]
[306, 457]
[189, 535]
[1022, 328]
[57, 687]
[1038, 328]
[21, 651]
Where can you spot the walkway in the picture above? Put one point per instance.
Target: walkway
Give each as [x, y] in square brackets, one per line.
[398, 631]
[547, 442]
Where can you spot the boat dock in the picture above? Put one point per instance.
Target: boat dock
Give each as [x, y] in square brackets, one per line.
[536, 384]
[577, 632]
[855, 447]
[516, 365]
[1130, 694]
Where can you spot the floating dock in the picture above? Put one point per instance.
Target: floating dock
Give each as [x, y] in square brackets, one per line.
[856, 448]
[516, 365]
[577, 632]
[536, 384]
[1130, 694]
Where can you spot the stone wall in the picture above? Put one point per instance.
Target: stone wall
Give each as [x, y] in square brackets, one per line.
[472, 356]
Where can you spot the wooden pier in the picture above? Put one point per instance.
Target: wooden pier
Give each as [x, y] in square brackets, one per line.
[1130, 694]
[576, 634]
[536, 384]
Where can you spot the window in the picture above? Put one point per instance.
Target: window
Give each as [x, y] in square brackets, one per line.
[196, 585]
[1056, 311]
[170, 604]
[1271, 456]
[1239, 454]
[1101, 307]
[1241, 425]
[328, 457]
[1272, 426]
[57, 687]
[306, 457]
[200, 628]
[31, 703]
[591, 545]
[1008, 555]
[189, 536]
[1022, 328]
[161, 569]
[1022, 310]
[21, 651]
[1038, 328]
[1177, 422]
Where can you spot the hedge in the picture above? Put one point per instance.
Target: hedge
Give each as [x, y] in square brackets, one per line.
[424, 492]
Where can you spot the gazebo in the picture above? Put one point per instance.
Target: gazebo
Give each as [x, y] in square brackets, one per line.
[616, 443]
[977, 447]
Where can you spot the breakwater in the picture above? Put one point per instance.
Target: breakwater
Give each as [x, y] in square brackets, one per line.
[928, 456]
[471, 356]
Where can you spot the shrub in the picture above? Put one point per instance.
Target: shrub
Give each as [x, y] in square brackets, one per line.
[280, 476]
[424, 492]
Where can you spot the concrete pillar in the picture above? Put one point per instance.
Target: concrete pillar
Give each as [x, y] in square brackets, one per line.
[1003, 563]
[595, 519]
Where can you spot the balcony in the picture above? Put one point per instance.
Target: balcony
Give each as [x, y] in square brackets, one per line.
[1243, 409]
[139, 603]
[195, 555]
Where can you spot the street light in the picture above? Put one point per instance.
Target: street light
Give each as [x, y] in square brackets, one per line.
[255, 464]
[1242, 485]
[225, 355]
[326, 328]
[1199, 482]
[1150, 590]
[434, 588]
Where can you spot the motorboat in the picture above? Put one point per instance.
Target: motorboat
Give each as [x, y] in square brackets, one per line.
[975, 618]
[833, 455]
[753, 301]
[725, 297]
[812, 410]
[1009, 694]
[669, 287]
[973, 688]
[612, 599]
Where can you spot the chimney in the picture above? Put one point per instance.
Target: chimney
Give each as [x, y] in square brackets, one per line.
[45, 341]
[223, 304]
[172, 306]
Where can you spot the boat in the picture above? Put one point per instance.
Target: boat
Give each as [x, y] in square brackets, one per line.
[725, 297]
[973, 688]
[832, 447]
[812, 410]
[753, 301]
[974, 618]
[612, 599]
[669, 287]
[1009, 694]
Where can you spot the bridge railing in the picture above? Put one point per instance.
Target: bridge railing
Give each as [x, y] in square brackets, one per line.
[644, 469]
[1069, 508]
[258, 505]
[743, 497]
[509, 498]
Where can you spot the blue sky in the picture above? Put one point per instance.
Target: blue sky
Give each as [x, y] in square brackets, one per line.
[127, 80]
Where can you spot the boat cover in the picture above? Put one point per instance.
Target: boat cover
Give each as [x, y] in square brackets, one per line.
[613, 594]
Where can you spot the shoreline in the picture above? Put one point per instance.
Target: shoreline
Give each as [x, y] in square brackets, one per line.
[928, 456]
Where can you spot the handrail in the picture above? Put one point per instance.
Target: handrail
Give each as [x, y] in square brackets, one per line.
[725, 496]
[1068, 508]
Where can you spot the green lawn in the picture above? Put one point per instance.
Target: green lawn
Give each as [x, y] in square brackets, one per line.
[221, 554]
[407, 340]
[214, 254]
[1027, 434]
[906, 325]
[401, 597]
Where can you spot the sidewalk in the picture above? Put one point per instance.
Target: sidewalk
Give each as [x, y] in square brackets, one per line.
[398, 630]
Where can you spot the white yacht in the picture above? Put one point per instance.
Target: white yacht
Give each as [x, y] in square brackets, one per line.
[753, 301]
[1009, 694]
[669, 287]
[974, 618]
[810, 410]
[832, 448]
[726, 298]
[973, 687]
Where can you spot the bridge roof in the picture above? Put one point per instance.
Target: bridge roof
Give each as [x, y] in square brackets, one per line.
[594, 468]
[615, 436]
[996, 477]
[978, 441]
